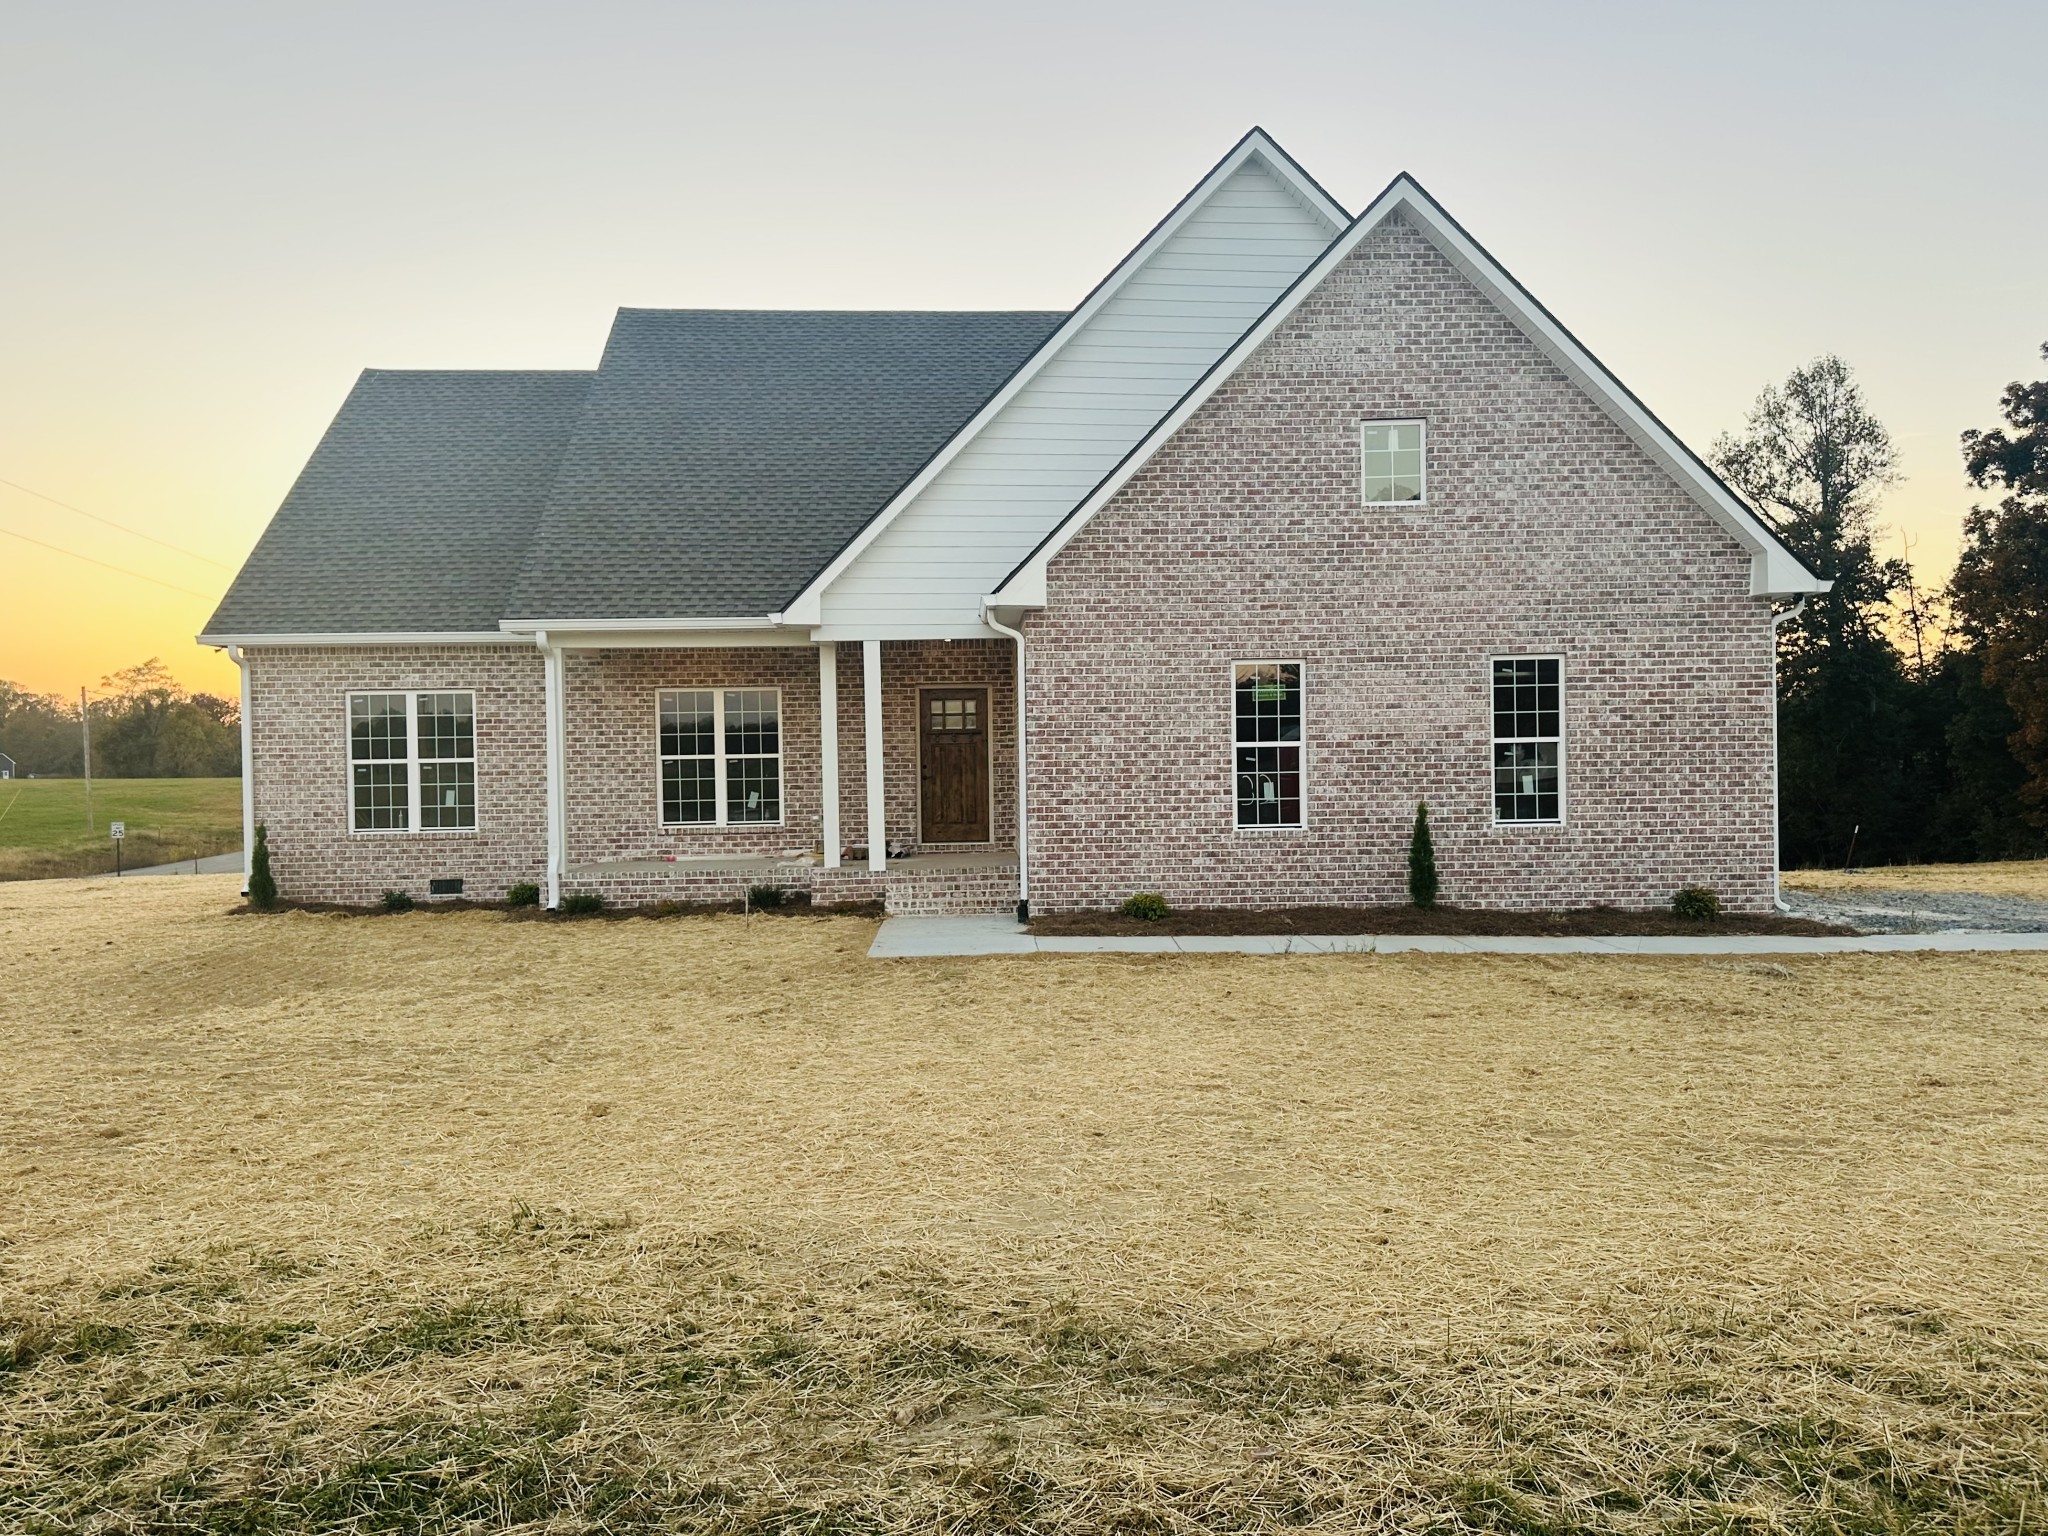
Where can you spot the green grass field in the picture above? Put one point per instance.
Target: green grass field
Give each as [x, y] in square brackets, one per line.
[43, 830]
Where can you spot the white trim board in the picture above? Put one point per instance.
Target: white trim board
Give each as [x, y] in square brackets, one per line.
[672, 639]
[1774, 570]
[422, 637]
[633, 626]
[807, 606]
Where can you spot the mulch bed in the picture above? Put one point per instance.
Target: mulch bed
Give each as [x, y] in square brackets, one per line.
[793, 905]
[1457, 922]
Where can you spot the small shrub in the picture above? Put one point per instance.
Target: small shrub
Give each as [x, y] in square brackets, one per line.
[582, 904]
[262, 884]
[523, 895]
[1148, 906]
[766, 896]
[395, 901]
[1696, 904]
[1421, 860]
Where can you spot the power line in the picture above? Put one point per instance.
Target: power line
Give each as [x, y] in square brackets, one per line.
[122, 527]
[119, 569]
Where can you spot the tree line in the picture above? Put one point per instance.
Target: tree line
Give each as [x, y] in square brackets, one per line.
[1912, 723]
[144, 726]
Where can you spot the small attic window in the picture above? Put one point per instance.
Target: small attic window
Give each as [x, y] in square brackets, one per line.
[1393, 461]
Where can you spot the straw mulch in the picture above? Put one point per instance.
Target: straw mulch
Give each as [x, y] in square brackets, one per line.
[444, 1222]
[2024, 878]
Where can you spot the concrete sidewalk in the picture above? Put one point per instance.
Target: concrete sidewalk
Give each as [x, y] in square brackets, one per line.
[903, 938]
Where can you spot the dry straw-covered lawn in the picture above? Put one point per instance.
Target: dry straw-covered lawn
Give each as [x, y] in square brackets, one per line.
[446, 1222]
[2025, 878]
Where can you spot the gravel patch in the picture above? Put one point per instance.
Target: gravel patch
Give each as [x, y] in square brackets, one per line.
[1910, 911]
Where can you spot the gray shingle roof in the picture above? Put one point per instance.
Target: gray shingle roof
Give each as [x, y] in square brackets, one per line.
[713, 464]
[725, 456]
[415, 510]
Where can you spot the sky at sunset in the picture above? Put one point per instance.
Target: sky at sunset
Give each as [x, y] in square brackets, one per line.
[212, 216]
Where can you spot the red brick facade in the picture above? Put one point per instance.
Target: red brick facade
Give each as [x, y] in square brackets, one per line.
[298, 721]
[612, 749]
[298, 728]
[908, 667]
[609, 710]
[1546, 532]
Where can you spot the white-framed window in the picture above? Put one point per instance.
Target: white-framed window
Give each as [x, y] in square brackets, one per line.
[1393, 460]
[721, 756]
[1266, 742]
[412, 761]
[1528, 738]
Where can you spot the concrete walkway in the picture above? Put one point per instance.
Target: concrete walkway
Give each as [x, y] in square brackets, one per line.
[903, 938]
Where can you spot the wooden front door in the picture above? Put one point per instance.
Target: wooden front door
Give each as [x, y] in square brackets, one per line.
[952, 753]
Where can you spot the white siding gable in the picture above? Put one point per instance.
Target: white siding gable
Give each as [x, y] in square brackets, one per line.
[925, 574]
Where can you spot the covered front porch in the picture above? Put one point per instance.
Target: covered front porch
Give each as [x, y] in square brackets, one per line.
[698, 768]
[919, 885]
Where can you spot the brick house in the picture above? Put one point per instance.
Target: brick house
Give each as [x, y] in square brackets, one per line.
[1298, 519]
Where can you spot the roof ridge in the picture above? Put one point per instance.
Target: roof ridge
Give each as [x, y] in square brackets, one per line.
[481, 373]
[689, 309]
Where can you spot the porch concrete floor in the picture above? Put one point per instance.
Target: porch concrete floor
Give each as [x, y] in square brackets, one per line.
[980, 858]
[710, 862]
[998, 858]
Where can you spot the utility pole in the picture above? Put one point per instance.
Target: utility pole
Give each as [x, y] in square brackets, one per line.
[85, 754]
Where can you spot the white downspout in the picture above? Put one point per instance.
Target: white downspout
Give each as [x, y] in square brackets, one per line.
[828, 751]
[557, 767]
[241, 661]
[871, 749]
[1023, 775]
[1778, 810]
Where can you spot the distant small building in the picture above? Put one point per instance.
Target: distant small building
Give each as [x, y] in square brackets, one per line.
[6, 766]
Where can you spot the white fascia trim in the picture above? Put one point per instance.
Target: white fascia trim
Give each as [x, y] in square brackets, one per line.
[970, 630]
[1774, 570]
[633, 626]
[386, 637]
[673, 639]
[807, 608]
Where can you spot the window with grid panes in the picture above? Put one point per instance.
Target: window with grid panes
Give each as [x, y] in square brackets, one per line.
[955, 714]
[1266, 743]
[720, 756]
[412, 761]
[1392, 459]
[1528, 738]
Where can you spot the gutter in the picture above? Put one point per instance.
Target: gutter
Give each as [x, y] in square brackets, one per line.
[1779, 621]
[241, 661]
[557, 767]
[1023, 771]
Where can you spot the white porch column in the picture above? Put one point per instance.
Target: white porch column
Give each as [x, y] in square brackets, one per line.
[871, 747]
[241, 660]
[828, 749]
[557, 770]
